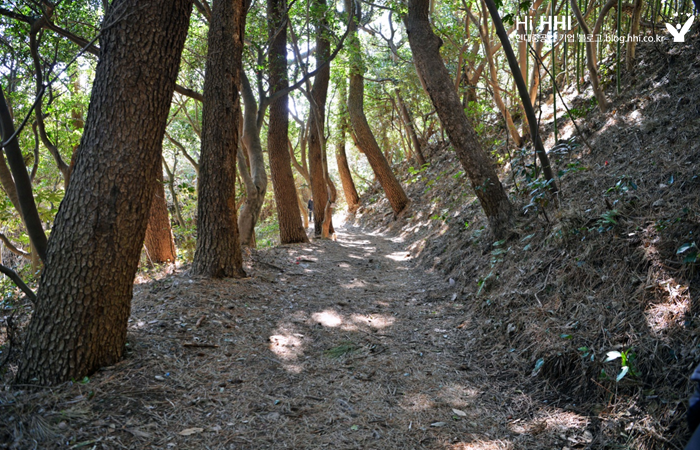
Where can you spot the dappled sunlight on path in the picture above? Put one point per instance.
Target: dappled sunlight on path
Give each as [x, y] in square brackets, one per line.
[334, 344]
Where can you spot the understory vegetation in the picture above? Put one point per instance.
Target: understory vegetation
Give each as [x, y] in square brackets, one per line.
[503, 248]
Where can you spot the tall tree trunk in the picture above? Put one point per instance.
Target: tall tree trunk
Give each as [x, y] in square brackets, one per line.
[328, 228]
[256, 182]
[317, 117]
[524, 97]
[408, 121]
[634, 31]
[84, 299]
[536, 76]
[486, 40]
[365, 139]
[425, 46]
[591, 59]
[304, 211]
[351, 197]
[291, 228]
[218, 253]
[523, 59]
[159, 241]
[522, 48]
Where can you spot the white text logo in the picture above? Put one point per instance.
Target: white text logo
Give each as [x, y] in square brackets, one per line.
[677, 32]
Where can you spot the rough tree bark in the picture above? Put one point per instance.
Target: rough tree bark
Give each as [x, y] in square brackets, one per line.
[317, 117]
[364, 138]
[159, 241]
[218, 253]
[289, 219]
[425, 46]
[84, 299]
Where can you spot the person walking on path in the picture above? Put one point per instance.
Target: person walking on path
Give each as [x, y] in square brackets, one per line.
[310, 205]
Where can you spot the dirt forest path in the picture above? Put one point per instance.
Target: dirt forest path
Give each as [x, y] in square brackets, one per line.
[335, 344]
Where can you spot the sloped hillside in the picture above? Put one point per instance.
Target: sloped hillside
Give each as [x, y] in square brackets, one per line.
[610, 274]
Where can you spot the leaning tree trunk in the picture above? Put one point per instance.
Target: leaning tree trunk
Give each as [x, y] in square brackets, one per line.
[486, 41]
[524, 96]
[84, 299]
[634, 31]
[536, 76]
[351, 196]
[317, 117]
[256, 179]
[218, 253]
[408, 122]
[364, 138]
[288, 217]
[159, 241]
[425, 46]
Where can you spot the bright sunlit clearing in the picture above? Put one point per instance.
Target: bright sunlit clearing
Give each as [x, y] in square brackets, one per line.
[399, 256]
[287, 347]
[374, 321]
[328, 318]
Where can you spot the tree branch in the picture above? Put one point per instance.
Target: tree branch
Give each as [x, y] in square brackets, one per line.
[35, 166]
[16, 16]
[18, 281]
[319, 67]
[203, 8]
[22, 181]
[50, 146]
[10, 246]
[187, 156]
[93, 49]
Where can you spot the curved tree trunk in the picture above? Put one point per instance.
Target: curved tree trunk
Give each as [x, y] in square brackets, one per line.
[291, 228]
[8, 183]
[84, 298]
[317, 117]
[159, 241]
[218, 253]
[425, 46]
[602, 14]
[21, 182]
[351, 196]
[255, 179]
[634, 31]
[365, 139]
